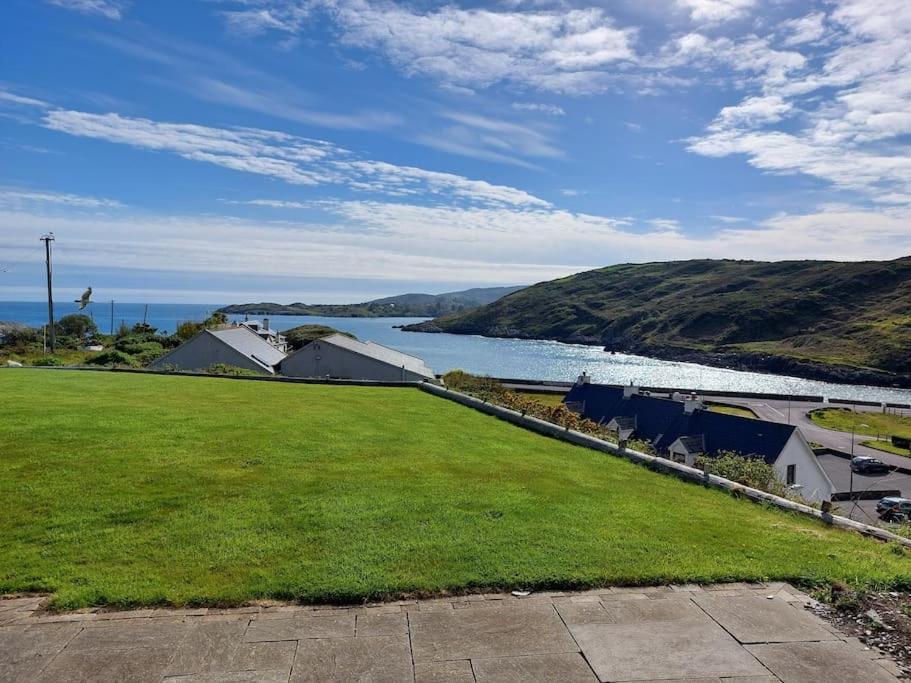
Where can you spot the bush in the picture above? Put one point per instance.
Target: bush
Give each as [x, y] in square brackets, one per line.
[134, 346]
[48, 361]
[300, 336]
[216, 319]
[752, 472]
[188, 329]
[76, 325]
[225, 369]
[16, 335]
[113, 357]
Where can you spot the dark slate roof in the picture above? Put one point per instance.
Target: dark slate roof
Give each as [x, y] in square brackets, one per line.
[662, 421]
[693, 444]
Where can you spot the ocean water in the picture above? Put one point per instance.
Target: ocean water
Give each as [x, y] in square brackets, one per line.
[514, 358]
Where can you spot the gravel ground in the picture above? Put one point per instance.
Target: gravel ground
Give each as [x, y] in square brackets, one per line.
[880, 620]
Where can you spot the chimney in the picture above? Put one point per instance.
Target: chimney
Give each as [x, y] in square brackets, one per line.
[630, 391]
[266, 324]
[583, 378]
[692, 404]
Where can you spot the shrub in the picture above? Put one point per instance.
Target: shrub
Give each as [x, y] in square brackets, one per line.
[225, 369]
[113, 357]
[300, 336]
[749, 471]
[16, 335]
[48, 361]
[188, 329]
[216, 319]
[134, 346]
[77, 325]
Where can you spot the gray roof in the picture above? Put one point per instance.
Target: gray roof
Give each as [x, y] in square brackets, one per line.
[245, 341]
[380, 353]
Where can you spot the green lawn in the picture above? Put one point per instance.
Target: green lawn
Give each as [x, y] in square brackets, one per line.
[869, 423]
[131, 489]
[731, 410]
[886, 446]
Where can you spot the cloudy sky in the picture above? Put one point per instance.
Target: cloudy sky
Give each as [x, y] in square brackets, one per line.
[338, 150]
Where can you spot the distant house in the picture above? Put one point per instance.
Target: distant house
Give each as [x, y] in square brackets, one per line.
[238, 346]
[683, 430]
[266, 333]
[341, 357]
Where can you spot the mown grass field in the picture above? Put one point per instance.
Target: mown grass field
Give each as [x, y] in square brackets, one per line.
[131, 490]
[869, 423]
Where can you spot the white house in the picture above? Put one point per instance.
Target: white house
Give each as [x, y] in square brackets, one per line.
[683, 430]
[238, 346]
[341, 357]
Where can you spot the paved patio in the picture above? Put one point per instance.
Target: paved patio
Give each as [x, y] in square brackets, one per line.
[746, 633]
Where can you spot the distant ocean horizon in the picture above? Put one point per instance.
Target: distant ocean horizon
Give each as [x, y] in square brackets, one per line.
[514, 358]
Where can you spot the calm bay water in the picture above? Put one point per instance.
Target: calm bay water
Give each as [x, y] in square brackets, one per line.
[498, 357]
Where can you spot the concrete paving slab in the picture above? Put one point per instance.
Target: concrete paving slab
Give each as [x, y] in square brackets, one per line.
[18, 643]
[381, 624]
[264, 656]
[141, 664]
[822, 662]
[584, 613]
[458, 671]
[654, 610]
[566, 668]
[128, 635]
[23, 668]
[494, 632]
[759, 620]
[233, 677]
[377, 659]
[663, 649]
[338, 625]
[207, 647]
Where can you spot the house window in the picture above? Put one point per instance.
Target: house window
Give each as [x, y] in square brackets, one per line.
[791, 476]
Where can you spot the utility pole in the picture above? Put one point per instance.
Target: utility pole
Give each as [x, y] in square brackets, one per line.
[47, 239]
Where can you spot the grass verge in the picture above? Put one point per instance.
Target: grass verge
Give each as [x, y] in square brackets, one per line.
[869, 423]
[886, 447]
[142, 490]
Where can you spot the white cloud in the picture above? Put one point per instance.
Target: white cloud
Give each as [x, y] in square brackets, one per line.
[715, 11]
[15, 198]
[854, 107]
[6, 96]
[555, 50]
[112, 9]
[751, 112]
[551, 109]
[295, 160]
[804, 29]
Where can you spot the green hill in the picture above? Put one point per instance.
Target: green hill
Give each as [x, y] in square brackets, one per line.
[403, 305]
[820, 319]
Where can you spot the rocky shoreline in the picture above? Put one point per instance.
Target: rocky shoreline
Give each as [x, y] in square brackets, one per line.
[728, 359]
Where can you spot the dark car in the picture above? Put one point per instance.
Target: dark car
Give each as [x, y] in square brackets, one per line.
[863, 464]
[897, 510]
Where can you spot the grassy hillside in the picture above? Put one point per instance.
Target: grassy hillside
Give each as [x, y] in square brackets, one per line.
[834, 320]
[132, 489]
[403, 305]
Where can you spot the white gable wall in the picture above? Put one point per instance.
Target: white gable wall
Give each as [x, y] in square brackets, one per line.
[816, 483]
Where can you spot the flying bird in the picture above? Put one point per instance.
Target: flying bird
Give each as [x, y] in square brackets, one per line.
[85, 299]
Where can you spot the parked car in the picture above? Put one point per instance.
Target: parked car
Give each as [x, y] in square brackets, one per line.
[890, 502]
[899, 511]
[864, 464]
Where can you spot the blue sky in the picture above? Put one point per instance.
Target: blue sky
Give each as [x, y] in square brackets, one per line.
[340, 150]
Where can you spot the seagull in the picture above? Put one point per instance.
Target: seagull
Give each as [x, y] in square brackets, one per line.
[85, 299]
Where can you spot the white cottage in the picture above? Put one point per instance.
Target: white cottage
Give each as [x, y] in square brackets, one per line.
[341, 357]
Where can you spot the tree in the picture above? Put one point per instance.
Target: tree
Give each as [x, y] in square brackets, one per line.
[188, 329]
[216, 319]
[78, 326]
